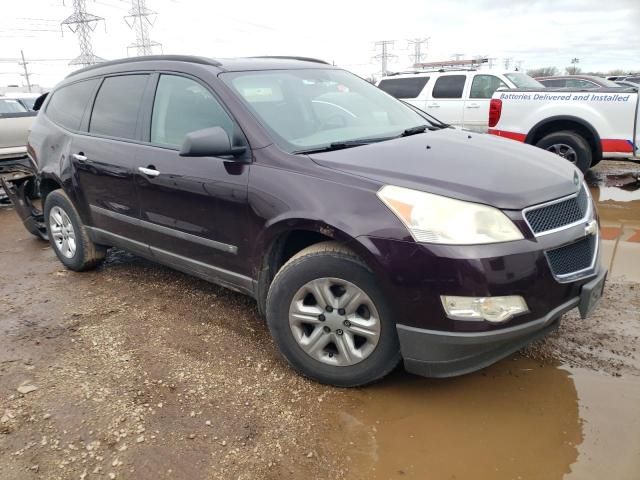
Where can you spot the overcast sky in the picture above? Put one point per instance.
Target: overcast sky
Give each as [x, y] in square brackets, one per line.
[602, 34]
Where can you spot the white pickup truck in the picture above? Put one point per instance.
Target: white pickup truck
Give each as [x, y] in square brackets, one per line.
[583, 126]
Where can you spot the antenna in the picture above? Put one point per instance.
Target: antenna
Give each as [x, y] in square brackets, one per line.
[82, 23]
[141, 18]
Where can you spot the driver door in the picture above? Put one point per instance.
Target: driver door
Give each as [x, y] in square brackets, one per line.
[194, 209]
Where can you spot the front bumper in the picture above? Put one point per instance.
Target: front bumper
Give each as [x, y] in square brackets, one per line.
[435, 353]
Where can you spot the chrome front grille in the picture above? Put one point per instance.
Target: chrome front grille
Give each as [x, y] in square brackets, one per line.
[572, 259]
[558, 214]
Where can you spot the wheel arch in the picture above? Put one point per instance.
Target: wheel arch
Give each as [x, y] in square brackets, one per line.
[567, 122]
[282, 240]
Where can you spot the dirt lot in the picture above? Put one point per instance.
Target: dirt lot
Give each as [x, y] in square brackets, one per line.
[136, 371]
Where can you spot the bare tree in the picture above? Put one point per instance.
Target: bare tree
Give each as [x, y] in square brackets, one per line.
[573, 70]
[543, 72]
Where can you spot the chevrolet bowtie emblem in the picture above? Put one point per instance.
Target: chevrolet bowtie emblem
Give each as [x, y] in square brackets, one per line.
[591, 228]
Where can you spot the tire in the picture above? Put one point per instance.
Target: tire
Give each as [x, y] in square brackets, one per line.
[574, 141]
[361, 359]
[86, 254]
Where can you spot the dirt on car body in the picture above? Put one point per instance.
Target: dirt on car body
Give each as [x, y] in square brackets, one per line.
[136, 371]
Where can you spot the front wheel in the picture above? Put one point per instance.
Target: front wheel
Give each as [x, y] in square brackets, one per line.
[568, 145]
[330, 319]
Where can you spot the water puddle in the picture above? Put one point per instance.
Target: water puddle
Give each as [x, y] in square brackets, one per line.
[515, 420]
[617, 197]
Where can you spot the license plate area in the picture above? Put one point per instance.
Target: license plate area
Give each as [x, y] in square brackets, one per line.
[591, 294]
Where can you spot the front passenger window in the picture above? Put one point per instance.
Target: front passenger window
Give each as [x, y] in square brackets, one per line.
[182, 106]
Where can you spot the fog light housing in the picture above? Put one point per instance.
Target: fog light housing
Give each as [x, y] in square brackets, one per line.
[491, 309]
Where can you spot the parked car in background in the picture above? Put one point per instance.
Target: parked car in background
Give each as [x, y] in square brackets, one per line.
[15, 121]
[617, 78]
[368, 232]
[582, 126]
[26, 99]
[576, 81]
[457, 97]
[634, 79]
[627, 84]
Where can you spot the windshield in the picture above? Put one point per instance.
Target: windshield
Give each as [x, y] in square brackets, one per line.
[521, 80]
[9, 105]
[28, 102]
[310, 109]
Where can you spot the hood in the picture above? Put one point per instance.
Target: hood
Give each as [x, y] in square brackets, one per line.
[464, 165]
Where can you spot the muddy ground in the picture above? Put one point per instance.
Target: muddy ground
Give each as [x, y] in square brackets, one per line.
[136, 371]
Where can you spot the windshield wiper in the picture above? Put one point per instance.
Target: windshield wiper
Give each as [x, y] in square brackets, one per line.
[417, 129]
[341, 145]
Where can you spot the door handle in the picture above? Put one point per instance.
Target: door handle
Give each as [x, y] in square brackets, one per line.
[433, 105]
[80, 157]
[150, 172]
[473, 105]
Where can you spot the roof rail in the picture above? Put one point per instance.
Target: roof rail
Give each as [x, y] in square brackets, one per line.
[302, 59]
[432, 70]
[175, 58]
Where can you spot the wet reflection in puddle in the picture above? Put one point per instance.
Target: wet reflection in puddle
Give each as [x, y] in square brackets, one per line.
[617, 197]
[517, 419]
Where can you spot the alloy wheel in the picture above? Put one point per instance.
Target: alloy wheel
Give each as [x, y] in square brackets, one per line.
[62, 232]
[334, 322]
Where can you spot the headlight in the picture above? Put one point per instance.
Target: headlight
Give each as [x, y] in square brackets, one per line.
[435, 219]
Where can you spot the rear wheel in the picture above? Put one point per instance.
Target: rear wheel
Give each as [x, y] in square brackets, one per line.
[568, 145]
[329, 318]
[68, 236]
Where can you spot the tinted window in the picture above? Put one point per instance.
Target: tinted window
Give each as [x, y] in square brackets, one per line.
[633, 79]
[115, 111]
[573, 83]
[404, 87]
[483, 86]
[182, 106]
[68, 103]
[449, 86]
[10, 105]
[554, 83]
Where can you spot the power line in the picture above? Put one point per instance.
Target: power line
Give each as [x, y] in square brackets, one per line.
[418, 56]
[384, 54]
[141, 18]
[83, 23]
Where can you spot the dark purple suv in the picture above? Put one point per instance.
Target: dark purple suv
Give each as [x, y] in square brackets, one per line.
[367, 231]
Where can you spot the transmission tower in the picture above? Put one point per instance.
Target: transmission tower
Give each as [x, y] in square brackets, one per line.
[384, 54]
[83, 23]
[418, 56]
[141, 18]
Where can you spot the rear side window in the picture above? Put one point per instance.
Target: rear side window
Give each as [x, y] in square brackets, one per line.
[68, 103]
[115, 111]
[554, 83]
[403, 87]
[182, 106]
[449, 86]
[484, 86]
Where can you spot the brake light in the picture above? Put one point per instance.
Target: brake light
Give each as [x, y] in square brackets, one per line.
[495, 110]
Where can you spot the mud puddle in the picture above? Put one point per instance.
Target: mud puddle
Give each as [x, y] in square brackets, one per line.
[617, 196]
[519, 419]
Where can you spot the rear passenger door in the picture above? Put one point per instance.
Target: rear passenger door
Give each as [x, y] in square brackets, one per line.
[447, 102]
[105, 157]
[476, 106]
[194, 209]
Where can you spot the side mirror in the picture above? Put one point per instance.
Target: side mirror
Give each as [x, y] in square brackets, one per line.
[209, 142]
